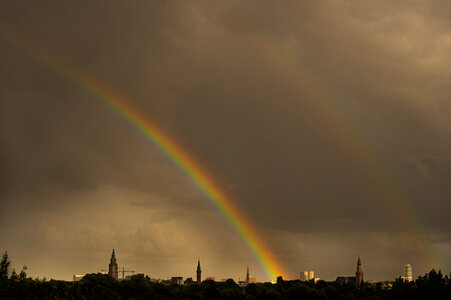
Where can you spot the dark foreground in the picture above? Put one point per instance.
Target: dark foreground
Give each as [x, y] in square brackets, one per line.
[99, 286]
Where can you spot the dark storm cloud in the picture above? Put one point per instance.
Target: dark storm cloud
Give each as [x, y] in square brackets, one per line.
[69, 165]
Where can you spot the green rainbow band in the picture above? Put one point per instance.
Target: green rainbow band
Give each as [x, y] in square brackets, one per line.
[165, 145]
[194, 171]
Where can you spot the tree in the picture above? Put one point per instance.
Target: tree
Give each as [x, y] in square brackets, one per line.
[23, 274]
[4, 267]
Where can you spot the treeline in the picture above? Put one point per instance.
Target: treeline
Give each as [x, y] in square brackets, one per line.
[15, 285]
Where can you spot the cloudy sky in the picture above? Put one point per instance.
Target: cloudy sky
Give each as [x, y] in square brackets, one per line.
[326, 122]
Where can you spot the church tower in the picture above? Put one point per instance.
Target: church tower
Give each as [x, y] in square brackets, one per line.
[247, 275]
[112, 267]
[359, 273]
[199, 272]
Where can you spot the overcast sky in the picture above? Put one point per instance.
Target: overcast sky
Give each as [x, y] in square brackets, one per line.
[327, 123]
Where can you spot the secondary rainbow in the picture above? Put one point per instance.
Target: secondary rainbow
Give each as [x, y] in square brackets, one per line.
[325, 108]
[162, 141]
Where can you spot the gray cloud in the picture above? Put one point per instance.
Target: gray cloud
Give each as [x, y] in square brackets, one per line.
[255, 92]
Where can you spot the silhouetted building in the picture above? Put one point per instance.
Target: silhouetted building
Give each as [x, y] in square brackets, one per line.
[345, 279]
[407, 273]
[77, 277]
[247, 275]
[199, 272]
[112, 267]
[177, 280]
[359, 273]
[189, 281]
[357, 279]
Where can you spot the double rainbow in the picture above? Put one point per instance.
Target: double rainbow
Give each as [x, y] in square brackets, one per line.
[323, 106]
[163, 142]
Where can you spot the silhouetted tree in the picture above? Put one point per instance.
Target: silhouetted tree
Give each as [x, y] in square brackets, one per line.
[432, 285]
[297, 290]
[4, 267]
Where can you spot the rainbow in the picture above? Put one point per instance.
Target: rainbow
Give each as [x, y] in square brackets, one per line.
[322, 104]
[167, 146]
[348, 136]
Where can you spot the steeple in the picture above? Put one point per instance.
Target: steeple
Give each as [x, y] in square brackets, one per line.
[359, 273]
[199, 272]
[112, 267]
[247, 275]
[359, 265]
[198, 266]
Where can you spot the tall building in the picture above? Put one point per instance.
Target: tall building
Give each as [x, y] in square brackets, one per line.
[359, 273]
[407, 273]
[247, 275]
[112, 267]
[357, 279]
[307, 275]
[199, 272]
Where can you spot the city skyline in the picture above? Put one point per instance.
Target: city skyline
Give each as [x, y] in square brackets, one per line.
[114, 270]
[280, 136]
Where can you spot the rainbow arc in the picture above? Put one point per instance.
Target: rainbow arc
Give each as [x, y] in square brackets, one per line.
[321, 103]
[166, 145]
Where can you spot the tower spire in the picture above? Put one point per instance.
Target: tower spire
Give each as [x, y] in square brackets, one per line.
[359, 273]
[199, 272]
[247, 275]
[112, 267]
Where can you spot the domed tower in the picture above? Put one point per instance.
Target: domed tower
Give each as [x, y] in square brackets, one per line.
[112, 267]
[359, 273]
[199, 272]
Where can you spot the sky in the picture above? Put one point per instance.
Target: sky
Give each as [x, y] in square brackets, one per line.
[326, 123]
